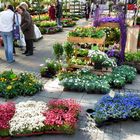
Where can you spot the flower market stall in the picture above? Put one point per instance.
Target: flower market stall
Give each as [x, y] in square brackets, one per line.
[35, 118]
[47, 26]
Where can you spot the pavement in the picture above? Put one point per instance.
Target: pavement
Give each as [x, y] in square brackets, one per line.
[86, 130]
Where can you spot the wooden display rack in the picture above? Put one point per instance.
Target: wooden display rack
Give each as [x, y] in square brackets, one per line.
[109, 24]
[99, 41]
[103, 71]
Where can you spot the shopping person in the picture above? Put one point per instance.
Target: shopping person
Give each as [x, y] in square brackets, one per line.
[87, 10]
[6, 31]
[52, 12]
[59, 13]
[27, 28]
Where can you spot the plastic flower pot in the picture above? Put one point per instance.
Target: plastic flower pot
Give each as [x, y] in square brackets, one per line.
[97, 66]
[48, 74]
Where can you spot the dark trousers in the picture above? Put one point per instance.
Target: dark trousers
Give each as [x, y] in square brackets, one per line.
[29, 46]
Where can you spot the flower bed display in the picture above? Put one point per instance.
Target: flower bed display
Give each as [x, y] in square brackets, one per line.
[85, 80]
[46, 24]
[86, 35]
[117, 107]
[31, 117]
[40, 17]
[53, 30]
[23, 84]
[50, 30]
[68, 22]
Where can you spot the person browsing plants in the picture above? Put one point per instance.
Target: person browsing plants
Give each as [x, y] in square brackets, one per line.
[6, 31]
[27, 28]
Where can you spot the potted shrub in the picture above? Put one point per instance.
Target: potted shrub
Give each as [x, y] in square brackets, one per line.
[58, 50]
[69, 50]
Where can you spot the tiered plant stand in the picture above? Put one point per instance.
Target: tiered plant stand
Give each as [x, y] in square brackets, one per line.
[85, 40]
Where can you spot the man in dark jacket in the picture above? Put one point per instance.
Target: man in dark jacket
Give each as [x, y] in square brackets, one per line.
[59, 13]
[27, 28]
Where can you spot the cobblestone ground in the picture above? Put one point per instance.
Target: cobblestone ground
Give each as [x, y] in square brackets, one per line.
[86, 131]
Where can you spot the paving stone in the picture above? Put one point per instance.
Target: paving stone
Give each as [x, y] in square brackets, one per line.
[74, 95]
[91, 98]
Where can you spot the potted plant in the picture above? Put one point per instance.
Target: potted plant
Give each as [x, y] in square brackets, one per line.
[58, 50]
[50, 68]
[69, 50]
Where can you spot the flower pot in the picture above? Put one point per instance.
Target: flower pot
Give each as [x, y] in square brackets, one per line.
[48, 74]
[97, 66]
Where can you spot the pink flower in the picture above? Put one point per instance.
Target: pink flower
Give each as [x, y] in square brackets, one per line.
[62, 112]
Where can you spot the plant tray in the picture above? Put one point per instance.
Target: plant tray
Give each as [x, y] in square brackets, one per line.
[109, 24]
[99, 41]
[39, 133]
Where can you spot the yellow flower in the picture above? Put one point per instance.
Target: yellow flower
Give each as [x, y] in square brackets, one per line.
[9, 87]
[30, 84]
[14, 79]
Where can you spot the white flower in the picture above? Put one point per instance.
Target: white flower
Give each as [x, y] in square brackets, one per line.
[28, 116]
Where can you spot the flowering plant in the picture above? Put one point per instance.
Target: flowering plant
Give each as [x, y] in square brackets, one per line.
[7, 111]
[68, 22]
[41, 17]
[53, 30]
[121, 106]
[28, 118]
[50, 68]
[62, 115]
[67, 104]
[101, 59]
[109, 19]
[46, 24]
[91, 32]
[31, 117]
[89, 82]
[12, 85]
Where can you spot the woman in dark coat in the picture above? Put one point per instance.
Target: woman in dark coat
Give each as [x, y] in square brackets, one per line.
[27, 28]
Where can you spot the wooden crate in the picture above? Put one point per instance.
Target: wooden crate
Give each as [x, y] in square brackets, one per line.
[79, 66]
[109, 24]
[99, 41]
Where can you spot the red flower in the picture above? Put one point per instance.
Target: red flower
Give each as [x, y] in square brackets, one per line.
[7, 111]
